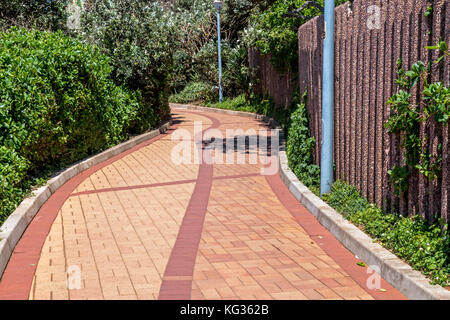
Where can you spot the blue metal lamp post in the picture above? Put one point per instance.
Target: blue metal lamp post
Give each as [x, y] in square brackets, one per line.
[218, 6]
[326, 163]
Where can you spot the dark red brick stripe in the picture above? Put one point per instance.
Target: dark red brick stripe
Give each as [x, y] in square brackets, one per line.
[325, 240]
[184, 253]
[162, 184]
[237, 176]
[142, 186]
[18, 276]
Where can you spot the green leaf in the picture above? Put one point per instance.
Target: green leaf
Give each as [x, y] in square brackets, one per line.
[361, 264]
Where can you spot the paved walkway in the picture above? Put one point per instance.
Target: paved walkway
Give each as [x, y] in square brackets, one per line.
[140, 227]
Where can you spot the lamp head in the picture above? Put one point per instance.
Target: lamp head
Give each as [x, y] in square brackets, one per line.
[218, 4]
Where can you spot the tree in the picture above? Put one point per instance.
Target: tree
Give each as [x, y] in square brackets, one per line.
[139, 37]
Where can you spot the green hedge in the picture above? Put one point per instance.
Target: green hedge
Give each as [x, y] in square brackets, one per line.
[58, 105]
[13, 170]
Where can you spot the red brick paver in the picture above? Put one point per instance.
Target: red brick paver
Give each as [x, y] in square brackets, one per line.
[138, 226]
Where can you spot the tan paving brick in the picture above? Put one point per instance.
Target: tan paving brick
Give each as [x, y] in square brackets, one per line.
[262, 246]
[107, 234]
[119, 230]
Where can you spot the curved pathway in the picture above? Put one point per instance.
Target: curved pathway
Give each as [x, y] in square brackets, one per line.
[139, 226]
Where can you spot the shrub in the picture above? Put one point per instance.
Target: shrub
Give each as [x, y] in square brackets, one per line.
[41, 14]
[194, 91]
[425, 247]
[274, 31]
[300, 145]
[195, 57]
[139, 37]
[347, 200]
[238, 103]
[57, 105]
[13, 170]
[57, 100]
[238, 76]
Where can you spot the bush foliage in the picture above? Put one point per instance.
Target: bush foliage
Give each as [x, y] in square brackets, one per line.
[424, 247]
[274, 30]
[13, 170]
[39, 14]
[254, 104]
[139, 37]
[300, 145]
[195, 57]
[58, 104]
[194, 91]
[408, 115]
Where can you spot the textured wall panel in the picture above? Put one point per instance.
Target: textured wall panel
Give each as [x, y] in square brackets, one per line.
[365, 76]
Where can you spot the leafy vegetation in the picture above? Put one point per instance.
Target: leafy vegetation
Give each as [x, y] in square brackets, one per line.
[194, 91]
[12, 173]
[58, 104]
[300, 145]
[407, 115]
[274, 31]
[195, 55]
[38, 14]
[254, 104]
[424, 247]
[195, 58]
[239, 104]
[139, 38]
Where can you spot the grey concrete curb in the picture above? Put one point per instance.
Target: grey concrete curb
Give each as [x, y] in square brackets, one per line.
[13, 228]
[413, 284]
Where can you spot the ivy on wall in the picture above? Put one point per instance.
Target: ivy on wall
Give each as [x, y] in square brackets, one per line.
[407, 115]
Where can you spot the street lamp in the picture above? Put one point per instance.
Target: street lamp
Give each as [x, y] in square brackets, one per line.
[218, 6]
